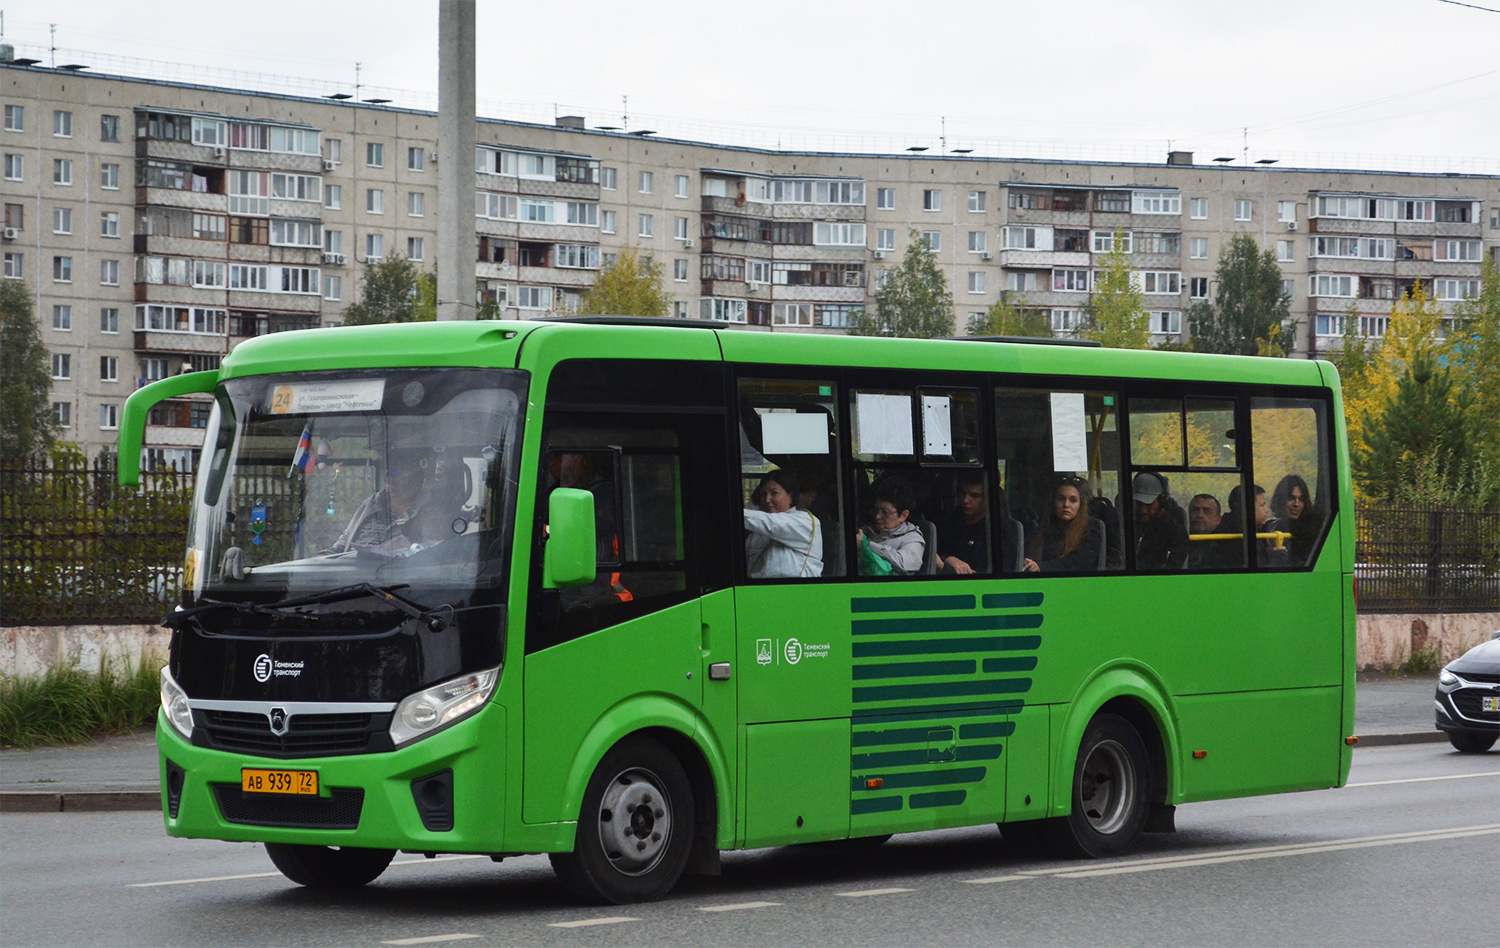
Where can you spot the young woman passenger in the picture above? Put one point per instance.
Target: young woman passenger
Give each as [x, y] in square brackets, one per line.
[781, 541]
[1291, 504]
[1071, 540]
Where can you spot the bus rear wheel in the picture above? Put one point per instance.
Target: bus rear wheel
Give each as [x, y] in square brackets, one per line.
[328, 867]
[1111, 782]
[635, 829]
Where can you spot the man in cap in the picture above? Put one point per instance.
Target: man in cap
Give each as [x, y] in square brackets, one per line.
[1161, 538]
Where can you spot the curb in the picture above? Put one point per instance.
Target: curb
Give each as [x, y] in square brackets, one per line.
[1408, 737]
[106, 801]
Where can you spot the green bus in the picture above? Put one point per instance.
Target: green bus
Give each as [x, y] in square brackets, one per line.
[633, 593]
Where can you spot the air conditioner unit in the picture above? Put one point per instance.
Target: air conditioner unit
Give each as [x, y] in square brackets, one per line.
[880, 255]
[432, 157]
[219, 151]
[11, 233]
[1291, 225]
[334, 258]
[986, 255]
[687, 243]
[329, 164]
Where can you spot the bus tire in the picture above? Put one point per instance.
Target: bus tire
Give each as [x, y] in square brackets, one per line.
[635, 829]
[328, 867]
[1111, 791]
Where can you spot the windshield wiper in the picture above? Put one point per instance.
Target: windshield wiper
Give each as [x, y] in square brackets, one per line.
[386, 594]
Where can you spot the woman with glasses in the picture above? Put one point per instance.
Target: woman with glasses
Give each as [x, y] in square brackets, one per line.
[1070, 541]
[894, 544]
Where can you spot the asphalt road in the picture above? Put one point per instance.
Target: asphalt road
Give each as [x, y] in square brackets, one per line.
[1406, 855]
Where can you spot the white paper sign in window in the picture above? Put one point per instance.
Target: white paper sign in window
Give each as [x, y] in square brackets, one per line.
[937, 425]
[1070, 447]
[794, 432]
[323, 397]
[884, 424]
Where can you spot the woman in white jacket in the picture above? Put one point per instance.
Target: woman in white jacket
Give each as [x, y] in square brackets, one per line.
[894, 540]
[781, 542]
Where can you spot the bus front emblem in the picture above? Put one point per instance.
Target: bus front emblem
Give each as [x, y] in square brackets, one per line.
[278, 721]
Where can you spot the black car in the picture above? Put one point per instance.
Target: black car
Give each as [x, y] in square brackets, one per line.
[1468, 698]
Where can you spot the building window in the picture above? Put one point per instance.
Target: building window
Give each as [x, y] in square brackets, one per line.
[374, 247]
[1105, 242]
[607, 178]
[1198, 209]
[62, 317]
[62, 414]
[607, 222]
[1156, 202]
[976, 281]
[932, 199]
[109, 128]
[375, 154]
[333, 196]
[885, 199]
[62, 124]
[680, 270]
[1286, 212]
[534, 297]
[333, 241]
[415, 202]
[1242, 210]
[1160, 281]
[645, 221]
[109, 416]
[109, 320]
[1288, 288]
[109, 224]
[416, 159]
[109, 176]
[933, 239]
[1198, 288]
[1020, 281]
[1070, 281]
[885, 239]
[335, 150]
[374, 201]
[414, 248]
[332, 287]
[109, 272]
[1198, 248]
[14, 168]
[645, 182]
[109, 369]
[15, 118]
[977, 201]
[1284, 251]
[62, 366]
[62, 269]
[978, 240]
[682, 185]
[14, 265]
[62, 220]
[1168, 322]
[15, 216]
[62, 171]
[680, 228]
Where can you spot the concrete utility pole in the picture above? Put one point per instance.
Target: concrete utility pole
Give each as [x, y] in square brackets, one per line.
[455, 166]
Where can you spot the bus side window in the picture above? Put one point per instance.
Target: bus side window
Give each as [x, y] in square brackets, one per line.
[1289, 443]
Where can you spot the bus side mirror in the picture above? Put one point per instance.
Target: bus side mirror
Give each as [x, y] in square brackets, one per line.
[571, 550]
[138, 405]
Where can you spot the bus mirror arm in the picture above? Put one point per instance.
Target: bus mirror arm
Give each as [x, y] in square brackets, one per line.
[139, 404]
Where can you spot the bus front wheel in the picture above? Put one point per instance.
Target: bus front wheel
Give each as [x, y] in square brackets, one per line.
[327, 867]
[1111, 782]
[635, 829]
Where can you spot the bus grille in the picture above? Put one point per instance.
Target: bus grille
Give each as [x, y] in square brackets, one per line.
[339, 811]
[308, 735]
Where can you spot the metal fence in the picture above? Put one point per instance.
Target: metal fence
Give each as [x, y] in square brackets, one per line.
[1427, 560]
[75, 547]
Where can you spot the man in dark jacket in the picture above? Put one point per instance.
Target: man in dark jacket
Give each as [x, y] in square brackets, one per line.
[1161, 538]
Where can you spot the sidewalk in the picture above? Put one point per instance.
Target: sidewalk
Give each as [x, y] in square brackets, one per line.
[120, 773]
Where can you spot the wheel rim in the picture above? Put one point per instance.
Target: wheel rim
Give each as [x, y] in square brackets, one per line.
[1108, 787]
[635, 822]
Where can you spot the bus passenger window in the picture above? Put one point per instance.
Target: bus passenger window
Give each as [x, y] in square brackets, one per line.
[789, 479]
[1290, 446]
[1058, 454]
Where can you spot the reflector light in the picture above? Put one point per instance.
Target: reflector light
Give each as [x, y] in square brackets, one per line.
[875, 783]
[1199, 755]
[1351, 741]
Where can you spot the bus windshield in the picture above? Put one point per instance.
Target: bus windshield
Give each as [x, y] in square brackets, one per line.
[397, 480]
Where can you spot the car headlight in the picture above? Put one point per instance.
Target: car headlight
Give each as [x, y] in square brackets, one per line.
[433, 709]
[1447, 679]
[174, 704]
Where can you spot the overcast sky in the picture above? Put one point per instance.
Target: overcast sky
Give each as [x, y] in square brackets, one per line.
[1398, 84]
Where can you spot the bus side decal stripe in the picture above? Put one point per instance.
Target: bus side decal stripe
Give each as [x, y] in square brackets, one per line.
[910, 603]
[913, 758]
[945, 624]
[919, 712]
[990, 643]
[944, 689]
[1023, 663]
[921, 669]
[986, 729]
[1012, 600]
[941, 798]
[875, 805]
[908, 735]
[927, 778]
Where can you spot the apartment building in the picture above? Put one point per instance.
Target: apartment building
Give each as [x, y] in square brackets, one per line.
[159, 224]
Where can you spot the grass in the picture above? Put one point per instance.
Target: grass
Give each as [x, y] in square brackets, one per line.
[1424, 660]
[70, 706]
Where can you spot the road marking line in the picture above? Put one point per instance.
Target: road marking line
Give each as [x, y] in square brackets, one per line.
[585, 922]
[428, 940]
[736, 906]
[1299, 851]
[264, 875]
[864, 892]
[988, 879]
[1386, 783]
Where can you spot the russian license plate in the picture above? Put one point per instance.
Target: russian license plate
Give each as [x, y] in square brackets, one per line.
[1489, 704]
[279, 781]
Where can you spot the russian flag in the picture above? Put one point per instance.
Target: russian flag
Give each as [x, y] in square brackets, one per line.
[303, 459]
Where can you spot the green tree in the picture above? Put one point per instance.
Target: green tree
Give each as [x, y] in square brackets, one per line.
[1013, 319]
[1427, 423]
[1250, 312]
[388, 293]
[914, 301]
[1116, 313]
[26, 424]
[1475, 357]
[631, 286]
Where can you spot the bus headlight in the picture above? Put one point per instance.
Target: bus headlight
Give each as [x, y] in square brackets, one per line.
[437, 707]
[174, 704]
